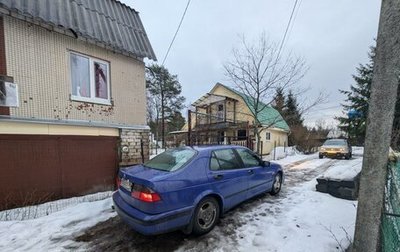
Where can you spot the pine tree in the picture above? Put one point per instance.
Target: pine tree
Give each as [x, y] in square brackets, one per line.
[293, 117]
[357, 102]
[165, 91]
[291, 112]
[279, 100]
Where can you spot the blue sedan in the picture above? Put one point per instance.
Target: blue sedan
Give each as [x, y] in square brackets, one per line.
[189, 188]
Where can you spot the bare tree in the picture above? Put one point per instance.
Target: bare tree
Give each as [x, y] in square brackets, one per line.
[258, 69]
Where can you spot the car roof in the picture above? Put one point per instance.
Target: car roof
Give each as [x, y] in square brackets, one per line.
[216, 147]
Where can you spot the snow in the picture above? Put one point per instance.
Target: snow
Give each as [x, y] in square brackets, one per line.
[344, 172]
[281, 152]
[36, 211]
[300, 219]
[55, 231]
[293, 158]
[310, 221]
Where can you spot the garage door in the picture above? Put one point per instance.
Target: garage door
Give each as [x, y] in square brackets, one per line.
[36, 168]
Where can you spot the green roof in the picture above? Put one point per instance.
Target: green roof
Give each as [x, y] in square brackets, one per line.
[268, 116]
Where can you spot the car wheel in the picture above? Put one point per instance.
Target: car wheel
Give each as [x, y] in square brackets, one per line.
[347, 156]
[205, 216]
[321, 156]
[276, 187]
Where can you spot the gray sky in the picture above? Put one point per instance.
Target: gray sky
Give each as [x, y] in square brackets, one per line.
[332, 35]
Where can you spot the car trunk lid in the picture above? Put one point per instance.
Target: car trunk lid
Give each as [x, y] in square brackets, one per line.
[138, 189]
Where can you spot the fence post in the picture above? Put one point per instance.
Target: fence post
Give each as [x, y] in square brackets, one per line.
[274, 150]
[189, 127]
[261, 154]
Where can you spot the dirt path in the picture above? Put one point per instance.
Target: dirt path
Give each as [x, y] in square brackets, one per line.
[114, 235]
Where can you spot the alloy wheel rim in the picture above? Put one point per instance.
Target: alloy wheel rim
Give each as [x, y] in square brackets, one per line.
[277, 184]
[206, 215]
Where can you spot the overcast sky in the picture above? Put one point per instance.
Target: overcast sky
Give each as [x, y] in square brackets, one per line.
[332, 35]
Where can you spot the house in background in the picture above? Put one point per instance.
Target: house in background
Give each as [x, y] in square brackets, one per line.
[226, 116]
[81, 108]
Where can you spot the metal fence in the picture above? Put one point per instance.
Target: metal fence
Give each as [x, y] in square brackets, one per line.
[391, 217]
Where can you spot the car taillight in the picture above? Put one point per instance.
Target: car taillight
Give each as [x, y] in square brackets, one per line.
[144, 194]
[118, 181]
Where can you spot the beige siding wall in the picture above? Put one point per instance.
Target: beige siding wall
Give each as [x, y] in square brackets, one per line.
[38, 60]
[277, 136]
[243, 112]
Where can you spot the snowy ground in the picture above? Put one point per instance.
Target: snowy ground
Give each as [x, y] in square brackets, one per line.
[299, 219]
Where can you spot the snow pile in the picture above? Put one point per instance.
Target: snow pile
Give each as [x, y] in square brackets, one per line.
[281, 153]
[345, 171]
[36, 211]
[358, 150]
[56, 231]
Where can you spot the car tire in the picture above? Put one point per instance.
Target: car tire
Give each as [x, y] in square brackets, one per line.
[277, 185]
[321, 156]
[347, 156]
[205, 216]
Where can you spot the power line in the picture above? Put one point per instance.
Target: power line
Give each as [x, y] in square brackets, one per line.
[294, 19]
[176, 33]
[287, 28]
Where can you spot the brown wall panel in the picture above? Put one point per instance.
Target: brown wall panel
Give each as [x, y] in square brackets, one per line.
[35, 168]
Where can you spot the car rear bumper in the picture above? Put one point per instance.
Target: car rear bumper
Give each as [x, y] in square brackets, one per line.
[151, 224]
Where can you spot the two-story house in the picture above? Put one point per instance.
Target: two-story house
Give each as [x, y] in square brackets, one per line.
[226, 116]
[73, 91]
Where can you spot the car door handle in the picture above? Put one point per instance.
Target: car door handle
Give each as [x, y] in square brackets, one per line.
[250, 171]
[218, 177]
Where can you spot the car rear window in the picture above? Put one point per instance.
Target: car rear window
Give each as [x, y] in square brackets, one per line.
[171, 160]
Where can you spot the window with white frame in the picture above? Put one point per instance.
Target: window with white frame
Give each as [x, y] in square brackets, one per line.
[268, 136]
[90, 79]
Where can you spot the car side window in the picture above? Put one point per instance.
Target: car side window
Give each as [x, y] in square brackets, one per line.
[249, 159]
[224, 160]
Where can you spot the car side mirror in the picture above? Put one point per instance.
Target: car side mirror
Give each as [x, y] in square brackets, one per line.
[265, 163]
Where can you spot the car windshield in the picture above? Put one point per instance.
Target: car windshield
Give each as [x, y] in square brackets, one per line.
[335, 142]
[171, 160]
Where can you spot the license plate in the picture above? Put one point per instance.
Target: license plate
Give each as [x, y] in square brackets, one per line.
[126, 184]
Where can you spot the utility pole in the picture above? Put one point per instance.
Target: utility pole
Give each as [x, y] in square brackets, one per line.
[379, 127]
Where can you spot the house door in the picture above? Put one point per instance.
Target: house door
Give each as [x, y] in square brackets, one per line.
[221, 137]
[220, 113]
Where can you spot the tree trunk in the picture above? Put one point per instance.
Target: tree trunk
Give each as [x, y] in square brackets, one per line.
[162, 120]
[379, 128]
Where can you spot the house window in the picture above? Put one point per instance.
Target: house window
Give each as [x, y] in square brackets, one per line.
[90, 79]
[220, 107]
[268, 136]
[241, 134]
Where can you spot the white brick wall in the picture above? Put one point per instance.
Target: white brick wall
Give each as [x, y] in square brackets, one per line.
[38, 60]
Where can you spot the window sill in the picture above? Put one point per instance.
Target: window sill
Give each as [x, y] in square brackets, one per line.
[91, 100]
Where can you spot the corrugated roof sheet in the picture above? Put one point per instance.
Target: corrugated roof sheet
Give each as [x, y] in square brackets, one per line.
[106, 22]
[267, 116]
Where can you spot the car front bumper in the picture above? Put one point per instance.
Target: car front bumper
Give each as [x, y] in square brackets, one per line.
[151, 224]
[333, 154]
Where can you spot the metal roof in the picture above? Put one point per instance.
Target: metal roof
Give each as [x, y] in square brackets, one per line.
[108, 23]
